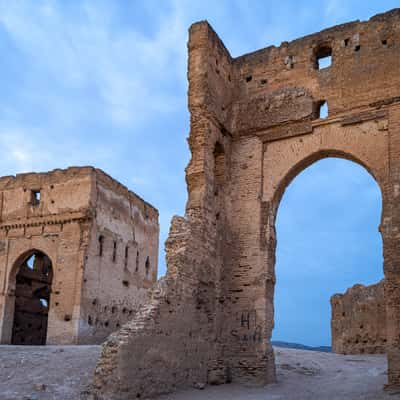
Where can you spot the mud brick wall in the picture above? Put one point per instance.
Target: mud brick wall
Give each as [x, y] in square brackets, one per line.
[255, 124]
[359, 320]
[62, 214]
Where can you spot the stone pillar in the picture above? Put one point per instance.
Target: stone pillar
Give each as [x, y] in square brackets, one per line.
[391, 248]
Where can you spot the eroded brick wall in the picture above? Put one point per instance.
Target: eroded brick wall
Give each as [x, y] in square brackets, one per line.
[359, 320]
[61, 214]
[262, 110]
[121, 260]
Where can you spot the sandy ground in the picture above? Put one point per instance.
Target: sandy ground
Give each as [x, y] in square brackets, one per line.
[302, 375]
[64, 370]
[309, 375]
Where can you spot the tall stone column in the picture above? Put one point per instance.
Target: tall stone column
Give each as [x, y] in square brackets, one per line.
[391, 248]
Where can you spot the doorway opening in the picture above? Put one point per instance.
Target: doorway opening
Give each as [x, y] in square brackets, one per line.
[32, 299]
[327, 241]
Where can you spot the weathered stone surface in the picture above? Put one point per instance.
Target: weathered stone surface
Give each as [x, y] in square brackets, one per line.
[359, 320]
[102, 245]
[254, 127]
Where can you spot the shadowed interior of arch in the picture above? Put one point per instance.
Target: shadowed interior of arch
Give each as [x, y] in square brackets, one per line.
[32, 299]
[327, 241]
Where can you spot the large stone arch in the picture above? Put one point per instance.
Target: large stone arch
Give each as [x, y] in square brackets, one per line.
[364, 144]
[283, 160]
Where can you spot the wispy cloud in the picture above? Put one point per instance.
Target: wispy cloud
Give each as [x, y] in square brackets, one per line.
[83, 47]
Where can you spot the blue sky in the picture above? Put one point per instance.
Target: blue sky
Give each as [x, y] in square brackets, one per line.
[104, 83]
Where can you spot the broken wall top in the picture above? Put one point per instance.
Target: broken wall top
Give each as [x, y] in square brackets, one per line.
[275, 86]
[60, 191]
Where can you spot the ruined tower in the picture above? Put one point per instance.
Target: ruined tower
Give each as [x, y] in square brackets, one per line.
[78, 252]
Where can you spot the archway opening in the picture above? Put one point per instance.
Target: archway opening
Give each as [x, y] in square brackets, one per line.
[32, 299]
[327, 241]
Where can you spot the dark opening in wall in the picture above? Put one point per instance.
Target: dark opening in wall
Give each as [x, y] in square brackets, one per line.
[126, 255]
[114, 254]
[219, 166]
[321, 110]
[101, 244]
[35, 197]
[137, 261]
[323, 57]
[357, 48]
[249, 78]
[384, 42]
[32, 300]
[147, 265]
[346, 42]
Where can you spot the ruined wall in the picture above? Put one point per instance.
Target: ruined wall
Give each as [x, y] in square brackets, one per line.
[359, 320]
[173, 341]
[57, 225]
[121, 261]
[258, 116]
[60, 214]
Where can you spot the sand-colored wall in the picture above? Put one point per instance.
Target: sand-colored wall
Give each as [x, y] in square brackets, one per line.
[116, 282]
[359, 320]
[75, 205]
[261, 109]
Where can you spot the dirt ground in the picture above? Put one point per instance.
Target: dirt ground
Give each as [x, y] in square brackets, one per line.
[302, 375]
[64, 370]
[309, 375]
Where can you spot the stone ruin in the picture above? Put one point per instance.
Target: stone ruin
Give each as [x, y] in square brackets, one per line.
[78, 253]
[359, 320]
[256, 122]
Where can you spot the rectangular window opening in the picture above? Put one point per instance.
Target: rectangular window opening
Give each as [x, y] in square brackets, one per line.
[114, 254]
[323, 110]
[126, 255]
[101, 242]
[35, 197]
[324, 62]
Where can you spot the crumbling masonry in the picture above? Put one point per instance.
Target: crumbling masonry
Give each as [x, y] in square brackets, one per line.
[255, 124]
[78, 253]
[359, 320]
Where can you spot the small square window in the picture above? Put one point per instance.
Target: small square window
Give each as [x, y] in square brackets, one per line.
[324, 62]
[323, 57]
[323, 110]
[35, 197]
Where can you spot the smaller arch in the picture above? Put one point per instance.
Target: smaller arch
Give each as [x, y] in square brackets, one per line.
[20, 260]
[32, 279]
